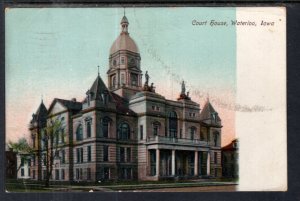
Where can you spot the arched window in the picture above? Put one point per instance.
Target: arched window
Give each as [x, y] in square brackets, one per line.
[105, 126]
[79, 134]
[192, 133]
[88, 128]
[113, 81]
[134, 79]
[124, 131]
[173, 124]
[156, 128]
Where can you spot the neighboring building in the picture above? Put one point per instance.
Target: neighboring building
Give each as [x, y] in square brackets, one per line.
[23, 166]
[127, 131]
[230, 156]
[11, 163]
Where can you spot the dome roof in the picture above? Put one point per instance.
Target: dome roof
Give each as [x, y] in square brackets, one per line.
[124, 42]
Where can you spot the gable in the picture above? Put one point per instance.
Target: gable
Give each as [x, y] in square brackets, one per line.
[57, 108]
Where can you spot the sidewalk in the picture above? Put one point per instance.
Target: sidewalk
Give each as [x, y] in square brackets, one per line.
[110, 188]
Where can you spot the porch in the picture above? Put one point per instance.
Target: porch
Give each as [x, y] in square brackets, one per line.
[171, 163]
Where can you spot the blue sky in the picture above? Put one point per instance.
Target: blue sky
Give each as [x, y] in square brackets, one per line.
[55, 52]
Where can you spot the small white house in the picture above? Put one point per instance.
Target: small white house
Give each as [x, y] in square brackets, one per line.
[23, 166]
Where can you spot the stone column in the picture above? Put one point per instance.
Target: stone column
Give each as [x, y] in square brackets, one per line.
[208, 164]
[157, 162]
[196, 164]
[173, 162]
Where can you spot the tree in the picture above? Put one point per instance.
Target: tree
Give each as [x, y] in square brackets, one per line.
[22, 148]
[51, 134]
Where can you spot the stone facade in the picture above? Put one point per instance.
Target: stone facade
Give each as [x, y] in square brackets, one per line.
[126, 131]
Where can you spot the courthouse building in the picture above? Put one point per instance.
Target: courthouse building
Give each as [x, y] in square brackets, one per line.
[125, 130]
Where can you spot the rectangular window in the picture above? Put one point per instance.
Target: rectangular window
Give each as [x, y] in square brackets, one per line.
[29, 172]
[106, 173]
[44, 174]
[141, 132]
[45, 159]
[128, 152]
[88, 174]
[126, 173]
[216, 157]
[22, 172]
[56, 174]
[129, 173]
[62, 135]
[34, 160]
[122, 154]
[33, 141]
[105, 153]
[79, 155]
[56, 139]
[80, 173]
[77, 174]
[22, 162]
[122, 60]
[33, 174]
[63, 156]
[63, 174]
[122, 79]
[155, 129]
[89, 153]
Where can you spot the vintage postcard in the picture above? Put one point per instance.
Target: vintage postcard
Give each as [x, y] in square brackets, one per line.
[145, 99]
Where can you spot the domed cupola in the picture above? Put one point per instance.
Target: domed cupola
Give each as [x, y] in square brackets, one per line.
[124, 41]
[124, 64]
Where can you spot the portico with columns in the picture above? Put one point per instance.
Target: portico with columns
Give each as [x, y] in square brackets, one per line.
[177, 162]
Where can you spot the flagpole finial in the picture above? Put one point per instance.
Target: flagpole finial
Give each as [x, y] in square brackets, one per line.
[98, 70]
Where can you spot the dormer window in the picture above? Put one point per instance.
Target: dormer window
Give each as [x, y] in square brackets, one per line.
[214, 116]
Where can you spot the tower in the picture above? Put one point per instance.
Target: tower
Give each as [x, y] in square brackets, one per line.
[124, 74]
